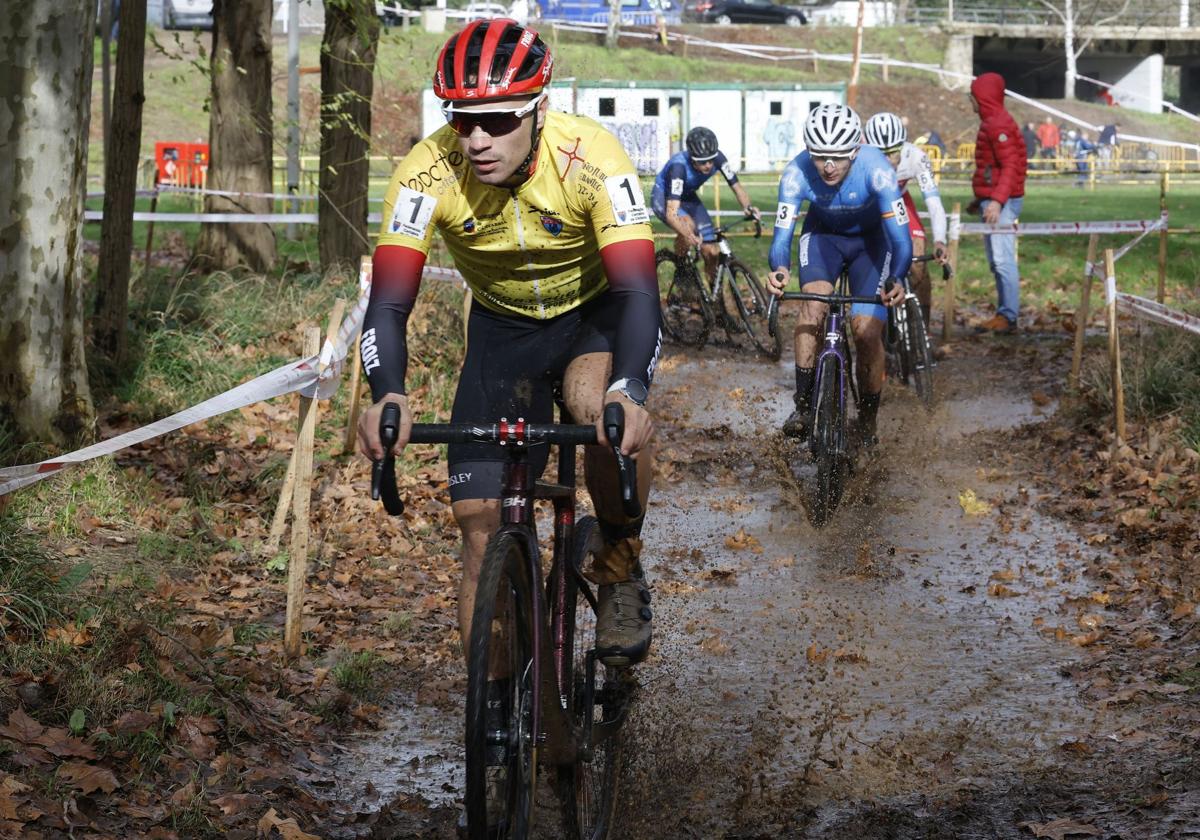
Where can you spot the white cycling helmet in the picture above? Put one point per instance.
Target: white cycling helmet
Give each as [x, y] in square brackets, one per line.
[833, 130]
[885, 131]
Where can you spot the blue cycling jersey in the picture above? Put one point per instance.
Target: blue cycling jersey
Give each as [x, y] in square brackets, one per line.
[679, 180]
[866, 200]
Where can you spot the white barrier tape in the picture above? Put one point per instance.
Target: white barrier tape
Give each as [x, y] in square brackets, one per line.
[955, 231]
[1110, 289]
[301, 375]
[1157, 312]
[1093, 270]
[1157, 103]
[224, 218]
[174, 188]
[1064, 228]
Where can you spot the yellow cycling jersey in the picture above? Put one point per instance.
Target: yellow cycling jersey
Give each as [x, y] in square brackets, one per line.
[533, 250]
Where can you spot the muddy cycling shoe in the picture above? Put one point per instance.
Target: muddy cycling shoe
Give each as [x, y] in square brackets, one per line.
[798, 424]
[864, 435]
[623, 619]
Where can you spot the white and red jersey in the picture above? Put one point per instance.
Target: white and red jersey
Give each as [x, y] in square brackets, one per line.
[914, 164]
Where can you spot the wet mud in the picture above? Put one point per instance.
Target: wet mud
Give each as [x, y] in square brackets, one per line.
[898, 673]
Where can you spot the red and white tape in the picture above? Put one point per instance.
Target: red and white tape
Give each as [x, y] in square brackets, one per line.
[1157, 312]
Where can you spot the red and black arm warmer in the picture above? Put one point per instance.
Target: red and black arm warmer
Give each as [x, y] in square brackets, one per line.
[396, 277]
[633, 282]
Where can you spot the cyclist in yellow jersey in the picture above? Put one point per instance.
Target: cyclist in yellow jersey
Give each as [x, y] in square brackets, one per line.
[545, 218]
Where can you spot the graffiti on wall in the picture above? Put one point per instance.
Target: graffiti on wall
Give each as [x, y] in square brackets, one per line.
[641, 141]
[780, 137]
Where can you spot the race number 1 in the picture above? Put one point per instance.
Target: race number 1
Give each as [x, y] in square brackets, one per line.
[412, 212]
[785, 216]
[628, 203]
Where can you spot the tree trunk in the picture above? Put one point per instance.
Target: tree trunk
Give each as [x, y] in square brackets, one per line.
[613, 34]
[240, 132]
[1069, 46]
[46, 67]
[901, 12]
[120, 186]
[347, 83]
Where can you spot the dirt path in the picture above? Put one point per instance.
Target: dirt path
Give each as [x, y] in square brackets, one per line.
[904, 672]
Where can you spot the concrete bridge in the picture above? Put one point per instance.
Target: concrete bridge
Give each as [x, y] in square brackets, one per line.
[1025, 44]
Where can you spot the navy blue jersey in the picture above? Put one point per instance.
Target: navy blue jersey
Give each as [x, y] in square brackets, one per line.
[679, 181]
[866, 200]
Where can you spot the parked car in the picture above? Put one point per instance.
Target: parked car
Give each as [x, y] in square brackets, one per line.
[478, 11]
[187, 14]
[742, 11]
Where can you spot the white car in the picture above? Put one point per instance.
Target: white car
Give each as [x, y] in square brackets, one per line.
[187, 14]
[478, 11]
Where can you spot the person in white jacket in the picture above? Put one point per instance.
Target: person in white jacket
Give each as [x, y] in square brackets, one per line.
[886, 131]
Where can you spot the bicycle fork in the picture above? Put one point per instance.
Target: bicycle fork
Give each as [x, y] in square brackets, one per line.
[833, 353]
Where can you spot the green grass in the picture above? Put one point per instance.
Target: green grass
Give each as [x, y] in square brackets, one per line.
[358, 673]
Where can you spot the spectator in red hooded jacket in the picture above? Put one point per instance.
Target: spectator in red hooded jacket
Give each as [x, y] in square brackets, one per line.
[999, 185]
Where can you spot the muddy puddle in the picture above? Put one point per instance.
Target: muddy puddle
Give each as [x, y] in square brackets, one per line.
[907, 649]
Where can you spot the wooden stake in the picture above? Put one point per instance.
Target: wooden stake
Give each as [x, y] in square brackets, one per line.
[1081, 314]
[279, 523]
[952, 254]
[150, 231]
[298, 562]
[1114, 343]
[364, 283]
[1162, 241]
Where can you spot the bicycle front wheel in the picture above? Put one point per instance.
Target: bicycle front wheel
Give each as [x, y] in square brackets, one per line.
[501, 745]
[687, 317]
[829, 436]
[596, 703]
[920, 356]
[754, 310]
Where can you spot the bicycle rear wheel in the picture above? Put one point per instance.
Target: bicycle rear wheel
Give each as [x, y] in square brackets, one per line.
[687, 316]
[752, 305]
[501, 752]
[920, 356]
[829, 435]
[588, 786]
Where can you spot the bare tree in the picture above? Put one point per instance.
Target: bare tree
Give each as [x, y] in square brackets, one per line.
[120, 186]
[240, 134]
[347, 83]
[46, 64]
[613, 34]
[1074, 16]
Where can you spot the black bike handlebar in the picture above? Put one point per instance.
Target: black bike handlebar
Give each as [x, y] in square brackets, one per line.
[947, 271]
[383, 471]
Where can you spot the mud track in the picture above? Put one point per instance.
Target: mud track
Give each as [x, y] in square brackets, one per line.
[894, 674]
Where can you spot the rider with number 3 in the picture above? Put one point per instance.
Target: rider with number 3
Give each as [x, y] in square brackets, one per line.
[675, 200]
[857, 220]
[544, 216]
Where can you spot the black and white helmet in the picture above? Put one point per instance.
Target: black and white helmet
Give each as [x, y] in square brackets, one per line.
[832, 129]
[701, 144]
[885, 130]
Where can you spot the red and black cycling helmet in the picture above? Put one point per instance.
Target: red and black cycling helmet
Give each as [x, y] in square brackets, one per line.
[491, 59]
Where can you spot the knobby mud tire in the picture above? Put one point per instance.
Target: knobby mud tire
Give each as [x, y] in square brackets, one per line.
[588, 786]
[687, 315]
[501, 642]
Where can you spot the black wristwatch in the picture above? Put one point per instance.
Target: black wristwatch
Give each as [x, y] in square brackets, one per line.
[633, 389]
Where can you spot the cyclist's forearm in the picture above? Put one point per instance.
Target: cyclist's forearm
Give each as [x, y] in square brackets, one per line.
[937, 216]
[742, 196]
[396, 278]
[780, 255]
[633, 282]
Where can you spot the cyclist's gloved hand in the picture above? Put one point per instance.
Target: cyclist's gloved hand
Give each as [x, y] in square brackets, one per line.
[368, 427]
[894, 295]
[639, 426]
[777, 280]
[939, 253]
[753, 212]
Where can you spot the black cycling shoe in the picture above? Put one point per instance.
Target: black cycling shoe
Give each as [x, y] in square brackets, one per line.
[798, 424]
[623, 622]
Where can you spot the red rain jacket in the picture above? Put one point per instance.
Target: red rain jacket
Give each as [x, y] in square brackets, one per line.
[1000, 153]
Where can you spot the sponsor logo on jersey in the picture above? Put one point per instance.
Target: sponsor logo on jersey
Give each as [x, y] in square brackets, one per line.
[552, 225]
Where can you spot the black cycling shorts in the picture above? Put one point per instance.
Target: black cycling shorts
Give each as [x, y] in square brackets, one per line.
[510, 371]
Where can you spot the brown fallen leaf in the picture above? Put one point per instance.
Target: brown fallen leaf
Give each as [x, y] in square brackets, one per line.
[11, 796]
[21, 727]
[1183, 610]
[815, 655]
[232, 804]
[88, 777]
[62, 744]
[999, 590]
[131, 723]
[1061, 829]
[288, 828]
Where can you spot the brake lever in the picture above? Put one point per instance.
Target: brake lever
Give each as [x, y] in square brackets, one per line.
[614, 430]
[383, 470]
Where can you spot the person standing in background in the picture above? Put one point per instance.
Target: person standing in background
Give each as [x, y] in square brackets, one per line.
[1029, 134]
[1048, 138]
[999, 185]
